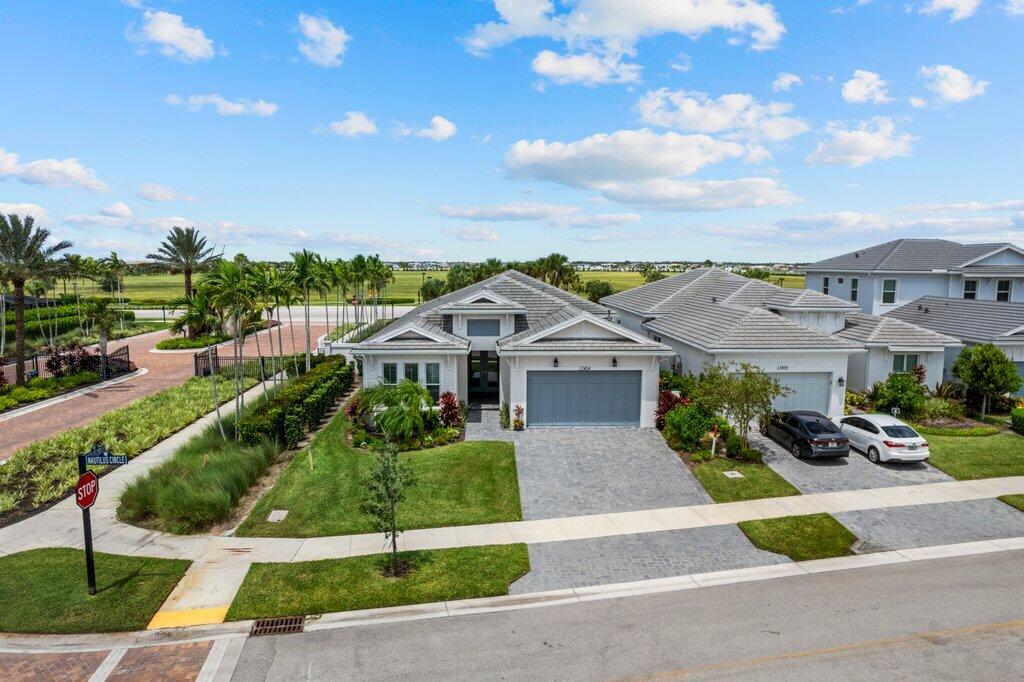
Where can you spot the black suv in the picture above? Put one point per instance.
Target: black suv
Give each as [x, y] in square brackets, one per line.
[807, 434]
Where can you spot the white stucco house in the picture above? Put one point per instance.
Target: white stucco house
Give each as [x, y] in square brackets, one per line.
[887, 276]
[516, 340]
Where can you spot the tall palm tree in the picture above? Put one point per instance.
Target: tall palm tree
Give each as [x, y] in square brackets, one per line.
[201, 317]
[228, 288]
[282, 288]
[3, 312]
[23, 251]
[186, 250]
[261, 286]
[305, 273]
[357, 267]
[73, 267]
[103, 318]
[342, 281]
[116, 269]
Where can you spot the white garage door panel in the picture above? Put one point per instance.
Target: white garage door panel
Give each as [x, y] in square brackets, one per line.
[808, 391]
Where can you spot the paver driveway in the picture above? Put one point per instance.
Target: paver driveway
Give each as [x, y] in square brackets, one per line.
[576, 471]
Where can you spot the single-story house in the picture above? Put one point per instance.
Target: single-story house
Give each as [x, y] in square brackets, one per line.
[894, 347]
[972, 322]
[516, 340]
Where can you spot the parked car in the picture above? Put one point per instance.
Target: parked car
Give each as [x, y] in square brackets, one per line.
[807, 434]
[884, 439]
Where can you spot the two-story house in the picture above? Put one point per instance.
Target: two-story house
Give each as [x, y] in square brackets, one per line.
[890, 275]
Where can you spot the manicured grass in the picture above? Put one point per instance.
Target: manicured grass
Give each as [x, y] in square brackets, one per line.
[460, 484]
[311, 587]
[963, 458]
[1014, 501]
[44, 591]
[759, 481]
[340, 331]
[801, 538]
[970, 432]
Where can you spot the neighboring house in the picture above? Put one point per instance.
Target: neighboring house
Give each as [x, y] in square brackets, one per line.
[894, 347]
[973, 322]
[517, 340]
[712, 316]
[884, 277]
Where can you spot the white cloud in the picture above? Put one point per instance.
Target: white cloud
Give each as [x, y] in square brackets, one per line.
[172, 36]
[440, 129]
[866, 87]
[472, 234]
[555, 215]
[871, 140]
[354, 124]
[958, 9]
[668, 194]
[1014, 8]
[586, 69]
[847, 222]
[151, 191]
[50, 172]
[322, 42]
[785, 80]
[118, 209]
[951, 84]
[740, 114]
[917, 102]
[224, 107]
[683, 62]
[24, 210]
[1009, 205]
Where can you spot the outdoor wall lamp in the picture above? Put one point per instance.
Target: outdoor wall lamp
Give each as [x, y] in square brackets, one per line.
[841, 382]
[555, 363]
[615, 363]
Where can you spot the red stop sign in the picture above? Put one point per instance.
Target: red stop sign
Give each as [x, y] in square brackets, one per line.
[86, 490]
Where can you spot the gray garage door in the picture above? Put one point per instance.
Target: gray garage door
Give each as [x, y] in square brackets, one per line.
[808, 391]
[583, 398]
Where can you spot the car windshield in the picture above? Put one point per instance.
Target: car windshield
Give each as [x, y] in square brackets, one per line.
[899, 431]
[816, 428]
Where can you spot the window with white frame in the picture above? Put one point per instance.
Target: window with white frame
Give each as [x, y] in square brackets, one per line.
[1004, 288]
[483, 327]
[433, 379]
[854, 289]
[970, 289]
[904, 363]
[389, 372]
[412, 371]
[824, 285]
[839, 280]
[889, 287]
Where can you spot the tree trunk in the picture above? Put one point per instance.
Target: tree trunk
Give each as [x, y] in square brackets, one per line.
[984, 405]
[291, 330]
[259, 355]
[188, 281]
[103, 354]
[3, 316]
[213, 387]
[19, 329]
[308, 341]
[273, 357]
[394, 540]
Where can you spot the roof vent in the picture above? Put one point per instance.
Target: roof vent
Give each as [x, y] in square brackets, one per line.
[920, 307]
[926, 311]
[714, 299]
[857, 255]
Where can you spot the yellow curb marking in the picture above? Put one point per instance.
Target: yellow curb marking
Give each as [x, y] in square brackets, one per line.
[186, 617]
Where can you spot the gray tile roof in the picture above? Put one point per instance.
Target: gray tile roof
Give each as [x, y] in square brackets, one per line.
[890, 331]
[907, 255]
[975, 321]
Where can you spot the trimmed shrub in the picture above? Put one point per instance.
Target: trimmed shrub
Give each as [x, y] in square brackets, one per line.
[683, 383]
[1017, 420]
[503, 416]
[183, 342]
[941, 408]
[857, 400]
[902, 391]
[686, 425]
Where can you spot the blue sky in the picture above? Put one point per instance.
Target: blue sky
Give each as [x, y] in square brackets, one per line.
[603, 129]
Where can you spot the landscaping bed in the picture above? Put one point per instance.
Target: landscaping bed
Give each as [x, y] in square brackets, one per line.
[460, 484]
[801, 538]
[184, 342]
[45, 471]
[44, 591]
[313, 587]
[340, 331]
[35, 390]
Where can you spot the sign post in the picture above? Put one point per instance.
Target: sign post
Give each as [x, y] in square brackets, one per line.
[87, 489]
[714, 439]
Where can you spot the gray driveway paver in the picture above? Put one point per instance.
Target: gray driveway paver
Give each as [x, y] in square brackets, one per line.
[927, 525]
[627, 558]
[843, 473]
[579, 471]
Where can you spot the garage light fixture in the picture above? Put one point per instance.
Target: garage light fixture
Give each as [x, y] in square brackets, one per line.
[555, 363]
[615, 363]
[841, 382]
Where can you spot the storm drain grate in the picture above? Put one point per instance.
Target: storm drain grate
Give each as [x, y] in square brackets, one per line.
[277, 626]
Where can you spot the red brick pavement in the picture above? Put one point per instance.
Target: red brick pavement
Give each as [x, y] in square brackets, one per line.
[165, 370]
[31, 667]
[179, 662]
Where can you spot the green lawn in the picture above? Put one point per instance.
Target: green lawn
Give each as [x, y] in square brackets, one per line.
[966, 458]
[1014, 501]
[44, 591]
[801, 538]
[759, 481]
[311, 587]
[460, 484]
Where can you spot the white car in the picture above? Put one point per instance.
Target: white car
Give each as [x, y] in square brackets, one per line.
[884, 439]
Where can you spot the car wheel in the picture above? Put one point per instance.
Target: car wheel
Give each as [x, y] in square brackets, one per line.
[873, 456]
[797, 451]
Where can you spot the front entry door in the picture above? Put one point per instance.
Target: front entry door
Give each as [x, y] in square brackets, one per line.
[483, 373]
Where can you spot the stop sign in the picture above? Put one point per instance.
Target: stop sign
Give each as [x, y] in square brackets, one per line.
[86, 490]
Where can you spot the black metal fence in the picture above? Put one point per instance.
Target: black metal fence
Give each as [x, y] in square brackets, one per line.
[224, 364]
[118, 362]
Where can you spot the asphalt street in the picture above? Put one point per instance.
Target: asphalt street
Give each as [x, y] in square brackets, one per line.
[959, 618]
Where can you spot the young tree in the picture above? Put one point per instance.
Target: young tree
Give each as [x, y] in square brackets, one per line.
[431, 289]
[596, 289]
[987, 371]
[749, 396]
[306, 275]
[388, 482]
[24, 250]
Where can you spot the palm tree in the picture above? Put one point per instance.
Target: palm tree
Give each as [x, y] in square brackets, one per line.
[228, 288]
[398, 410]
[357, 267]
[199, 317]
[116, 268]
[3, 313]
[184, 249]
[284, 293]
[103, 318]
[261, 286]
[73, 267]
[342, 280]
[23, 252]
[306, 276]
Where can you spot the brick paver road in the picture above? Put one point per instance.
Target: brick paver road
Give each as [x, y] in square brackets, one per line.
[165, 370]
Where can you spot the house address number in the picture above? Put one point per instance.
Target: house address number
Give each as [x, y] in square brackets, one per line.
[584, 368]
[782, 368]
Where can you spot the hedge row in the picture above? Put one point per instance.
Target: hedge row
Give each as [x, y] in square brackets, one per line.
[63, 324]
[43, 312]
[297, 406]
[1017, 420]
